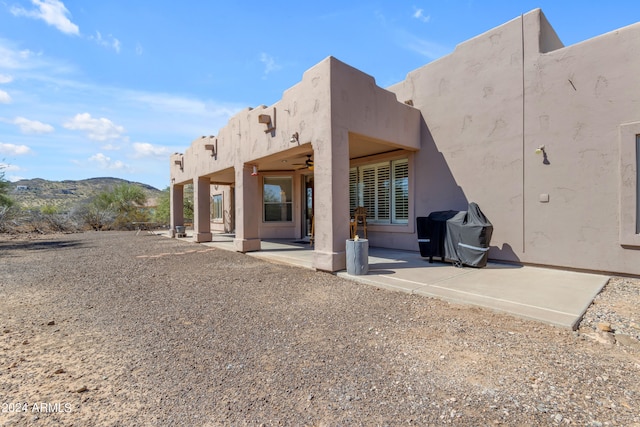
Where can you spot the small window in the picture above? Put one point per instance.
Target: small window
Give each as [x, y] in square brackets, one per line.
[629, 184]
[217, 208]
[277, 196]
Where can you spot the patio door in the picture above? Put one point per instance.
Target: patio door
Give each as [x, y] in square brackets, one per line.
[307, 209]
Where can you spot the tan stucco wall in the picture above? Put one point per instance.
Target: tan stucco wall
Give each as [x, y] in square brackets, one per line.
[471, 103]
[577, 98]
[332, 100]
[489, 105]
[478, 116]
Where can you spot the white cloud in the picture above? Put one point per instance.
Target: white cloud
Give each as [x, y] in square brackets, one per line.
[7, 167]
[269, 63]
[406, 40]
[426, 48]
[419, 15]
[168, 103]
[111, 147]
[5, 98]
[144, 149]
[13, 149]
[139, 49]
[34, 66]
[110, 42]
[5, 78]
[32, 126]
[97, 129]
[14, 58]
[53, 12]
[105, 162]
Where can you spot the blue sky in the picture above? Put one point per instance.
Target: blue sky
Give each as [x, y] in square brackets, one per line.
[112, 88]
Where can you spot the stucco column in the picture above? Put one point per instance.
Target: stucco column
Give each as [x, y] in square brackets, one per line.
[176, 207]
[331, 199]
[202, 209]
[248, 210]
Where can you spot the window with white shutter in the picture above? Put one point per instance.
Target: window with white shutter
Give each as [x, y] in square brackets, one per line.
[353, 189]
[400, 191]
[383, 189]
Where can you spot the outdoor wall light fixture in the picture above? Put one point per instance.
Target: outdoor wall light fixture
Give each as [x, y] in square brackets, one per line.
[213, 146]
[295, 138]
[266, 119]
[541, 150]
[254, 171]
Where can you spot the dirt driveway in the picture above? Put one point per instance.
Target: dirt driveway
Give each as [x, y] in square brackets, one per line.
[117, 329]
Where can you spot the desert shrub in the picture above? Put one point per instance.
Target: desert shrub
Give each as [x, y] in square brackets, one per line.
[39, 222]
[116, 209]
[5, 200]
[162, 213]
[42, 222]
[49, 210]
[9, 218]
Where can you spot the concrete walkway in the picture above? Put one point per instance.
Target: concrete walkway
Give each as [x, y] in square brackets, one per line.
[552, 296]
[557, 297]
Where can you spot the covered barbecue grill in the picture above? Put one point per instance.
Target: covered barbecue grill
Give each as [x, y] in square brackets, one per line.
[462, 237]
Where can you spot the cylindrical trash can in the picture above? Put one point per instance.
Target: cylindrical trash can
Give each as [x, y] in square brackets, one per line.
[357, 257]
[180, 230]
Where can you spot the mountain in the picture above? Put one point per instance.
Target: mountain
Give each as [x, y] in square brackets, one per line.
[64, 195]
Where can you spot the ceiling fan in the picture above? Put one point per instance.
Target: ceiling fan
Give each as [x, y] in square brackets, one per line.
[307, 164]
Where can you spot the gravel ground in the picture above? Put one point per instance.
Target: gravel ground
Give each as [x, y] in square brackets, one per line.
[122, 330]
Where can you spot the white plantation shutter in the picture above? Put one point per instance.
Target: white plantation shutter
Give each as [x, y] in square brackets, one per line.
[353, 189]
[368, 191]
[400, 191]
[383, 189]
[383, 192]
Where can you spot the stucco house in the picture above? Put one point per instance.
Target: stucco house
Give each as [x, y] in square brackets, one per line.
[545, 138]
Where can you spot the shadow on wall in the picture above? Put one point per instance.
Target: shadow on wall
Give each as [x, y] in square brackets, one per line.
[505, 253]
[436, 188]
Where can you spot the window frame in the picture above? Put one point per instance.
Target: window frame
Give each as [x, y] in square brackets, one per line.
[629, 184]
[374, 174]
[638, 184]
[288, 203]
[217, 207]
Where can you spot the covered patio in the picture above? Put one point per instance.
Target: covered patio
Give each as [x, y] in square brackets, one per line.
[290, 167]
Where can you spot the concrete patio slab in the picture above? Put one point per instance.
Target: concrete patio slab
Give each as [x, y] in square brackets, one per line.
[551, 296]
